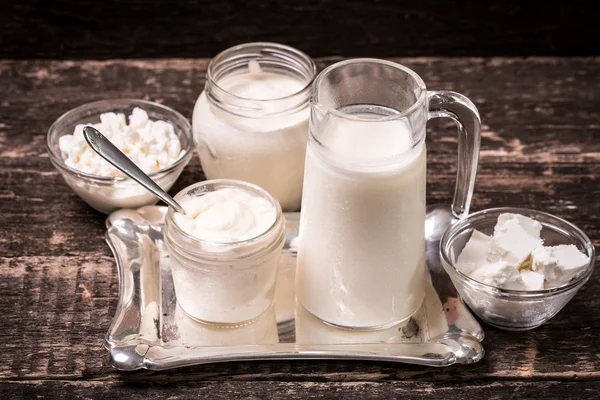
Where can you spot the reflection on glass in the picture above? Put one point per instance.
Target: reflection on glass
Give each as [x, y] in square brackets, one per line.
[427, 323]
[192, 333]
[311, 330]
[285, 297]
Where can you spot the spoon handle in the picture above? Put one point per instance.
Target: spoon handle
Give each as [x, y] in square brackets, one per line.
[101, 145]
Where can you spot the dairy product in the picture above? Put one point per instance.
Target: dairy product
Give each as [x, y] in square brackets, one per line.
[515, 258]
[226, 252]
[226, 215]
[151, 145]
[532, 280]
[266, 146]
[500, 274]
[559, 264]
[361, 255]
[530, 225]
[512, 244]
[474, 252]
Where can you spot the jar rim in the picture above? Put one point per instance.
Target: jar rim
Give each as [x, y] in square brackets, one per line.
[263, 46]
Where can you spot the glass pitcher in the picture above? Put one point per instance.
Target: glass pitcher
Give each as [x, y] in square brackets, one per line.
[361, 256]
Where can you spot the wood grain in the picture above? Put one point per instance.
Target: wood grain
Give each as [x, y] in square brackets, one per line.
[202, 28]
[58, 283]
[315, 390]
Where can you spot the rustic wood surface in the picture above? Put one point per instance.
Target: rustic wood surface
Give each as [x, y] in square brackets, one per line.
[383, 28]
[58, 282]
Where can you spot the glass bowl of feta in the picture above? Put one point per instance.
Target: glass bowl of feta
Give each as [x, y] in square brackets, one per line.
[516, 268]
[157, 138]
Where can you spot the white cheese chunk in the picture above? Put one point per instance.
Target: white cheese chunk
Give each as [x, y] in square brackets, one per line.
[530, 225]
[500, 274]
[475, 251]
[512, 244]
[559, 264]
[543, 261]
[532, 280]
[474, 254]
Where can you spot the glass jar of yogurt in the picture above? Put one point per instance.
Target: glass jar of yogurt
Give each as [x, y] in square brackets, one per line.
[251, 121]
[225, 251]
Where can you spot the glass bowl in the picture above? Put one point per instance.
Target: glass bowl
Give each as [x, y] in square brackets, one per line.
[104, 193]
[515, 310]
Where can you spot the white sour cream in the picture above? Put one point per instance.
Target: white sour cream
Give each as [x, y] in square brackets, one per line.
[227, 215]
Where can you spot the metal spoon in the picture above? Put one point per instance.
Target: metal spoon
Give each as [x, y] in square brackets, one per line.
[101, 145]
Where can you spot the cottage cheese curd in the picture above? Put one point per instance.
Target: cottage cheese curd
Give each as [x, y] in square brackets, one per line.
[515, 258]
[151, 145]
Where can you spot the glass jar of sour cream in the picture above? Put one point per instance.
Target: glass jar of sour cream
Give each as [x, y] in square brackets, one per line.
[225, 250]
[251, 121]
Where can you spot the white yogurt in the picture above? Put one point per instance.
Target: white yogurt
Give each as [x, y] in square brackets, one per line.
[225, 251]
[361, 258]
[264, 147]
[226, 215]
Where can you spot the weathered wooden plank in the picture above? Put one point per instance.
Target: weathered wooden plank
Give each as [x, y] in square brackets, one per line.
[55, 311]
[315, 390]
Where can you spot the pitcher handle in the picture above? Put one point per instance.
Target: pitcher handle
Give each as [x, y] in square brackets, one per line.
[447, 104]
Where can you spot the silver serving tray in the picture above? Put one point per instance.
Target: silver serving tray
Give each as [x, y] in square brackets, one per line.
[150, 331]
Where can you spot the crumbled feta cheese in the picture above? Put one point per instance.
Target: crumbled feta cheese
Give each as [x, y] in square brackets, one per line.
[512, 243]
[475, 250]
[515, 258]
[151, 145]
[530, 225]
[532, 280]
[559, 264]
[499, 274]
[474, 254]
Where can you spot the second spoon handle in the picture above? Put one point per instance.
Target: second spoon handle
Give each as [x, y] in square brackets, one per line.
[101, 145]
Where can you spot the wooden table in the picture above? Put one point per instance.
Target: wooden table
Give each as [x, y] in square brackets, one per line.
[58, 281]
